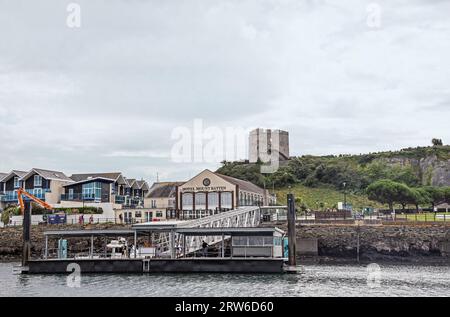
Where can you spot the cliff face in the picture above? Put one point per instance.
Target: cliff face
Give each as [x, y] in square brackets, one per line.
[430, 169]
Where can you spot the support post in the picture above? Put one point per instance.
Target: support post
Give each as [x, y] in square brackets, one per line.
[291, 230]
[92, 247]
[135, 244]
[26, 224]
[184, 245]
[357, 243]
[223, 245]
[46, 247]
[172, 245]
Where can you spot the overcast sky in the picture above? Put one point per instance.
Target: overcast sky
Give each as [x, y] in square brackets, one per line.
[107, 96]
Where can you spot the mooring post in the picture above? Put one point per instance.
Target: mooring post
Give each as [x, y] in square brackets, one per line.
[172, 244]
[291, 230]
[223, 246]
[357, 242]
[26, 224]
[46, 247]
[92, 247]
[135, 244]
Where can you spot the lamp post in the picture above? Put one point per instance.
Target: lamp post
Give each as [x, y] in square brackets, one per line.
[345, 195]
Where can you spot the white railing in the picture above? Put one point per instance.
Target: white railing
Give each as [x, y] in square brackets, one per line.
[242, 217]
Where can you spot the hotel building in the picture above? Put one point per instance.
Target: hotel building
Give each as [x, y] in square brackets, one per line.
[210, 193]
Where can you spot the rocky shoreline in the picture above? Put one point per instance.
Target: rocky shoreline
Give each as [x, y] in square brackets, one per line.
[412, 244]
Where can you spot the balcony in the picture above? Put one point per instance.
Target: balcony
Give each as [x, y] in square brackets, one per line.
[129, 202]
[11, 196]
[86, 197]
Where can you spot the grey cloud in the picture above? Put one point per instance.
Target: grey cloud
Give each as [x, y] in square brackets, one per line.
[108, 95]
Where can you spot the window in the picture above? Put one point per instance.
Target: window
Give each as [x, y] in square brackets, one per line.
[153, 203]
[16, 182]
[277, 241]
[213, 201]
[187, 201]
[240, 241]
[70, 193]
[37, 180]
[37, 192]
[200, 201]
[226, 200]
[159, 214]
[92, 191]
[138, 214]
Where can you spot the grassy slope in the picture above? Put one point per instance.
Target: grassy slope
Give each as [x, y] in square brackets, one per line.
[329, 196]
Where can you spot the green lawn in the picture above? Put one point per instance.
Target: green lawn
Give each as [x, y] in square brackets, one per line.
[427, 216]
[329, 196]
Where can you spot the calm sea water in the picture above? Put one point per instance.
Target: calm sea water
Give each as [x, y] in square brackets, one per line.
[315, 280]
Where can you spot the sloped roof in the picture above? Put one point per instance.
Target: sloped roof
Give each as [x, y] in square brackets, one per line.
[82, 177]
[161, 190]
[20, 174]
[3, 175]
[243, 185]
[89, 180]
[130, 181]
[142, 183]
[48, 174]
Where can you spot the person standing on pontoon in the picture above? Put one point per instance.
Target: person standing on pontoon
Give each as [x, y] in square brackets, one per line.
[204, 248]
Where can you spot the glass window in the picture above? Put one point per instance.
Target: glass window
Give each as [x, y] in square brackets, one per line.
[277, 241]
[159, 214]
[268, 240]
[37, 180]
[187, 201]
[226, 200]
[37, 192]
[92, 190]
[16, 182]
[200, 201]
[213, 201]
[240, 241]
[255, 240]
[71, 193]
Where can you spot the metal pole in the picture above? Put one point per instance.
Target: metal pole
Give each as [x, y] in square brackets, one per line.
[291, 230]
[223, 245]
[46, 247]
[26, 224]
[135, 246]
[172, 244]
[357, 243]
[92, 247]
[184, 245]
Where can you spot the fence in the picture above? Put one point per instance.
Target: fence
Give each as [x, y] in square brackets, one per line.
[73, 221]
[377, 218]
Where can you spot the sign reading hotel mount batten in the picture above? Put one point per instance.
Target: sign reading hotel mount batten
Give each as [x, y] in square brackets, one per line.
[205, 188]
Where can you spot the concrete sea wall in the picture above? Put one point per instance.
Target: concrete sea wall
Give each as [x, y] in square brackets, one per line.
[375, 241]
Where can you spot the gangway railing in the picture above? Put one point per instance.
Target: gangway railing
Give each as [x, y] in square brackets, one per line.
[249, 216]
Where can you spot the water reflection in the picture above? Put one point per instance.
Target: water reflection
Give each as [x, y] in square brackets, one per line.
[316, 280]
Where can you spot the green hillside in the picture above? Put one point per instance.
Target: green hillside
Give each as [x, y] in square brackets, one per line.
[322, 178]
[323, 198]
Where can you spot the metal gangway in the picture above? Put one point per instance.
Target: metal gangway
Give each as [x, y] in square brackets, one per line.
[169, 242]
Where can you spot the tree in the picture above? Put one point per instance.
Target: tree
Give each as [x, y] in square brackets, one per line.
[389, 192]
[384, 191]
[405, 195]
[5, 217]
[420, 197]
[437, 142]
[437, 195]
